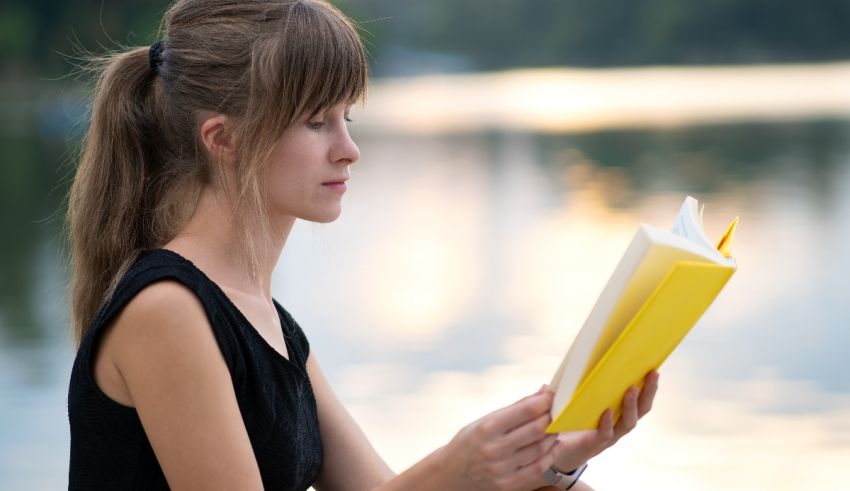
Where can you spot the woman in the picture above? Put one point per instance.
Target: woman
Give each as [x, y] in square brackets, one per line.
[202, 151]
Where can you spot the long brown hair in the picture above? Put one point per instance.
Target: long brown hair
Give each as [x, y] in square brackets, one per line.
[266, 64]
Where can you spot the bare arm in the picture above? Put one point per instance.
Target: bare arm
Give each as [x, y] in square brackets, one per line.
[505, 450]
[350, 461]
[179, 383]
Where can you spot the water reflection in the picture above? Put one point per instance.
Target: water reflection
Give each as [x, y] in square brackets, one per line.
[463, 265]
[759, 386]
[559, 100]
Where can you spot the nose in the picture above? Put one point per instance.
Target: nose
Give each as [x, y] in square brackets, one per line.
[345, 151]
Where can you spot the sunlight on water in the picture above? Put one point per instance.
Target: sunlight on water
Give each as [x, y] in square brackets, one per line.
[560, 99]
[415, 261]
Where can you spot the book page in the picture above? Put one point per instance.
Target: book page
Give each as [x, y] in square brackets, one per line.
[688, 224]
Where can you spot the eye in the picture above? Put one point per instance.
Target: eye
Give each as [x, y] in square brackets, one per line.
[315, 125]
[348, 120]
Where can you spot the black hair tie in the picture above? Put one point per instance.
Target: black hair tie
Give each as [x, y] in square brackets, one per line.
[155, 55]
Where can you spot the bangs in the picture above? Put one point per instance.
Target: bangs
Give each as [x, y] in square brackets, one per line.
[324, 60]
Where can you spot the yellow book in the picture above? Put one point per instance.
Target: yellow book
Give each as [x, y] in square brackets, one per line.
[662, 285]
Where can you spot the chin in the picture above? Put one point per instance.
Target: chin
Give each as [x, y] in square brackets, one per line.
[325, 216]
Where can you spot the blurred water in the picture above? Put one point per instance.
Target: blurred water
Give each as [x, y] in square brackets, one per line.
[463, 265]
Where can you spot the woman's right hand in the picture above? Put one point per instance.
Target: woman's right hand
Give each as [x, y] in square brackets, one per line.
[505, 450]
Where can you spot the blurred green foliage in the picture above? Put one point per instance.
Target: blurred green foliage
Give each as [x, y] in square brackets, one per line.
[500, 33]
[477, 34]
[38, 37]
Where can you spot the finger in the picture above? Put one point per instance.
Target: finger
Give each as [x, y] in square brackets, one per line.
[605, 430]
[606, 421]
[575, 448]
[629, 415]
[527, 434]
[647, 394]
[519, 413]
[530, 473]
[530, 453]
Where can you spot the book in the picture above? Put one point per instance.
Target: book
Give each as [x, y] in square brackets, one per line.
[662, 285]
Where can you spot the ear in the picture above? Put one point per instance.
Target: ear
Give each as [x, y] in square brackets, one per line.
[217, 137]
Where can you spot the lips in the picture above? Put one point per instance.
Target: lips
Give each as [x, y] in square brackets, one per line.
[337, 185]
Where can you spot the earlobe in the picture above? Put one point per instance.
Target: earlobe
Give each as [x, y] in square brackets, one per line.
[216, 134]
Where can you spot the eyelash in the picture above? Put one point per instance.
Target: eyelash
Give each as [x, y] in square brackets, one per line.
[319, 124]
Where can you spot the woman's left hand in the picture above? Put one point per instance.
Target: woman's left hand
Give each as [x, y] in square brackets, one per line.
[575, 448]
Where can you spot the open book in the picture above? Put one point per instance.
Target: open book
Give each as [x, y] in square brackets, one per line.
[663, 284]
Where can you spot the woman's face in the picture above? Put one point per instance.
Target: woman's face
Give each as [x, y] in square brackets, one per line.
[308, 171]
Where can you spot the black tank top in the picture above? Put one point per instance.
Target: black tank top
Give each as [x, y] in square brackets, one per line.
[109, 448]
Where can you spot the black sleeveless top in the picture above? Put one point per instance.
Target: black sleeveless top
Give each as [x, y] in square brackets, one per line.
[109, 448]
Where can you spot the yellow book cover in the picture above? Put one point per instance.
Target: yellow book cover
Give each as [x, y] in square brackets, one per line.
[662, 285]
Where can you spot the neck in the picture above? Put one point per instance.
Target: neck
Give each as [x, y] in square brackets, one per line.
[213, 241]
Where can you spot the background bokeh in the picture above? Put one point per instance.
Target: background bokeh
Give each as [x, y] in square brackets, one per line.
[509, 150]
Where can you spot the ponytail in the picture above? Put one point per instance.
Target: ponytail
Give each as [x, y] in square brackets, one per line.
[264, 63]
[106, 209]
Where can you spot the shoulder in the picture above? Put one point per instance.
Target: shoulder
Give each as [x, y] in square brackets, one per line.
[182, 389]
[163, 311]
[163, 325]
[160, 298]
[161, 307]
[166, 293]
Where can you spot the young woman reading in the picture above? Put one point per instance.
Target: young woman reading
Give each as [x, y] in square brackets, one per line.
[203, 150]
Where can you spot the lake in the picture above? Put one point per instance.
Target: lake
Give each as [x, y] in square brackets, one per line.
[468, 255]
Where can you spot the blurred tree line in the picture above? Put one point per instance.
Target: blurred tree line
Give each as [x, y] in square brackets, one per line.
[407, 36]
[493, 34]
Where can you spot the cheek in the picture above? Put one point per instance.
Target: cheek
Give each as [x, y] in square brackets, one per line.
[288, 183]
[282, 182]
[283, 167]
